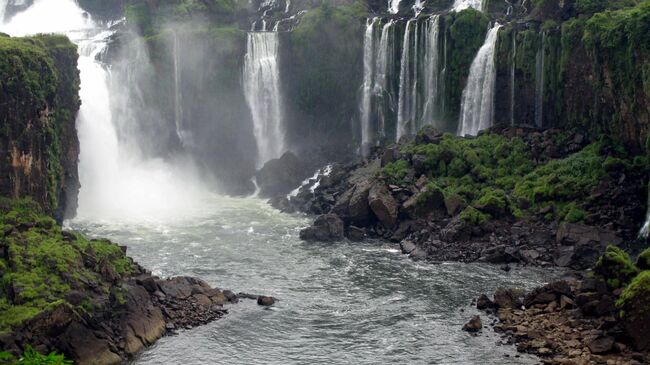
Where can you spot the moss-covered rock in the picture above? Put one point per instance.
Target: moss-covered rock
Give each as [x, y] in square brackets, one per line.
[634, 303]
[39, 86]
[41, 263]
[643, 261]
[615, 267]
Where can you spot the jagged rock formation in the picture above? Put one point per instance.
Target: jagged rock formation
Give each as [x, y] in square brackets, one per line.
[39, 86]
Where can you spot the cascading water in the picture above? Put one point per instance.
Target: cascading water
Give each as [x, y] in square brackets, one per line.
[431, 71]
[367, 88]
[645, 230]
[404, 117]
[3, 9]
[512, 78]
[477, 106]
[466, 4]
[178, 96]
[116, 182]
[539, 83]
[262, 90]
[384, 66]
[393, 6]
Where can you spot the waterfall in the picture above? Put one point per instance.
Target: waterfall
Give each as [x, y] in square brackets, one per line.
[645, 230]
[404, 117]
[539, 84]
[393, 6]
[117, 183]
[466, 4]
[431, 71]
[383, 68]
[178, 97]
[477, 106]
[512, 78]
[262, 91]
[368, 71]
[3, 9]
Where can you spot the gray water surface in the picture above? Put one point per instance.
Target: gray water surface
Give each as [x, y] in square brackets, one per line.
[344, 303]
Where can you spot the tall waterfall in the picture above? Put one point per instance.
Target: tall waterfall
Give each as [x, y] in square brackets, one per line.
[404, 109]
[178, 96]
[385, 62]
[539, 83]
[367, 89]
[431, 71]
[262, 90]
[117, 183]
[419, 102]
[477, 109]
[466, 4]
[512, 77]
[393, 6]
[645, 230]
[3, 10]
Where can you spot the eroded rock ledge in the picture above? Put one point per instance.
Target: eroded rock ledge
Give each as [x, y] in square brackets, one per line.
[85, 298]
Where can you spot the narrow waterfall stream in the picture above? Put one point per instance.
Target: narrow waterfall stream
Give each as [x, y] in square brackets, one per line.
[477, 109]
[385, 63]
[262, 90]
[539, 83]
[178, 96]
[367, 87]
[404, 108]
[431, 72]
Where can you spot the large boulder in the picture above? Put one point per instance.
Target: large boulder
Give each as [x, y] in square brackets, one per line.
[326, 228]
[383, 205]
[280, 176]
[428, 200]
[352, 206]
[635, 306]
[580, 245]
[549, 293]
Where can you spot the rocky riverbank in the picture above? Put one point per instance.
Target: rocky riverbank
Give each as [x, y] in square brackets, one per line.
[601, 318]
[510, 195]
[85, 298]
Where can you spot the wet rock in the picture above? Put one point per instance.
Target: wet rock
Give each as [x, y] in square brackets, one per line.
[507, 298]
[548, 293]
[601, 345]
[418, 254]
[474, 324]
[326, 228]
[429, 199]
[280, 176]
[483, 303]
[383, 205]
[356, 234]
[407, 247]
[265, 301]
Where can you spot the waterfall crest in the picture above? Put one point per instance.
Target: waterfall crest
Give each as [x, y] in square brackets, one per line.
[477, 108]
[466, 4]
[262, 90]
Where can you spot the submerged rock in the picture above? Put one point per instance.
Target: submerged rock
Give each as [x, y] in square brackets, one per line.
[474, 324]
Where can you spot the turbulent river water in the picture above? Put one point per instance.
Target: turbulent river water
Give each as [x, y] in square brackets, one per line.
[344, 303]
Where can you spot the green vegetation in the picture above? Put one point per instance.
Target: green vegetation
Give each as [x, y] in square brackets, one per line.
[615, 267]
[634, 299]
[37, 73]
[643, 261]
[465, 32]
[498, 175]
[33, 357]
[42, 263]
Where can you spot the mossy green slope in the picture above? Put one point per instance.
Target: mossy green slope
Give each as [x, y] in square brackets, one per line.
[40, 263]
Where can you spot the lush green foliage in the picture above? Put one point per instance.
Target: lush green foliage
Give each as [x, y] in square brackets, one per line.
[42, 263]
[465, 32]
[33, 357]
[615, 267]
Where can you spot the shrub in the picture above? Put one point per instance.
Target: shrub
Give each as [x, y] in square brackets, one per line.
[615, 267]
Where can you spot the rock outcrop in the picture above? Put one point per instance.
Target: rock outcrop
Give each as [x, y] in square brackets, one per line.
[38, 106]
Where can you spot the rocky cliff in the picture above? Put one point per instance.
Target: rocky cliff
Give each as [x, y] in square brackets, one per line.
[39, 87]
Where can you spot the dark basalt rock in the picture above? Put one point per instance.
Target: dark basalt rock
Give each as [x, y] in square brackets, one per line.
[265, 301]
[474, 325]
[326, 228]
[280, 176]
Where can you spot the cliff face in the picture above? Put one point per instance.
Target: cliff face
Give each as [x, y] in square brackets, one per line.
[39, 87]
